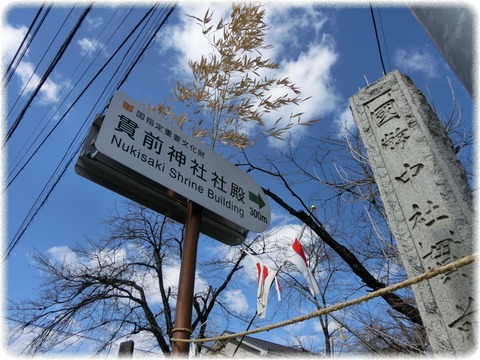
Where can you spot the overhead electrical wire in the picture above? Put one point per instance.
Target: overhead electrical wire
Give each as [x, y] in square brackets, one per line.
[45, 52]
[21, 47]
[76, 100]
[41, 201]
[12, 68]
[170, 11]
[33, 212]
[27, 146]
[384, 39]
[74, 86]
[47, 73]
[378, 41]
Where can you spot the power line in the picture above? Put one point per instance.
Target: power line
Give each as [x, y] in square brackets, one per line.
[15, 163]
[11, 70]
[384, 40]
[47, 73]
[34, 209]
[170, 11]
[41, 202]
[78, 98]
[378, 41]
[26, 85]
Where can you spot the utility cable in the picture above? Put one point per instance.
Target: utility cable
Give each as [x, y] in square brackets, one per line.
[47, 73]
[24, 50]
[78, 98]
[378, 41]
[384, 40]
[170, 11]
[25, 87]
[41, 202]
[32, 213]
[15, 163]
[9, 68]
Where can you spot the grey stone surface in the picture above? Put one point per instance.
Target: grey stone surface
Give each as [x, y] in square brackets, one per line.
[427, 200]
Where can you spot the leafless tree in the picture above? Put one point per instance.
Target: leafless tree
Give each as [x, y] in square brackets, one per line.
[341, 183]
[320, 230]
[117, 287]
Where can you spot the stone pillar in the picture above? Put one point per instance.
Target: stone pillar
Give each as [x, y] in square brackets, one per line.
[428, 202]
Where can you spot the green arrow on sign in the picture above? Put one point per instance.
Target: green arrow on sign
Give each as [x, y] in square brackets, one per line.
[257, 199]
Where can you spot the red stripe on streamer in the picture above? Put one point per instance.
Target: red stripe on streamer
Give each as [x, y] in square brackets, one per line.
[297, 247]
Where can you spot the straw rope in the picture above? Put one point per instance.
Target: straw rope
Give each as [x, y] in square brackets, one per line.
[181, 329]
[419, 278]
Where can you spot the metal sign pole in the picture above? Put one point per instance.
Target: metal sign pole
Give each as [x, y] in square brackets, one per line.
[186, 282]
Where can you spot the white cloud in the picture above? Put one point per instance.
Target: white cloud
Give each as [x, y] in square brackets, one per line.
[11, 38]
[19, 339]
[308, 67]
[273, 247]
[93, 22]
[104, 259]
[49, 92]
[236, 301]
[108, 257]
[416, 60]
[344, 123]
[29, 80]
[289, 24]
[186, 38]
[311, 72]
[89, 46]
[63, 254]
[172, 275]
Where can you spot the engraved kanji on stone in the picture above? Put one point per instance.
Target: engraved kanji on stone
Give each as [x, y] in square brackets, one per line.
[127, 126]
[464, 322]
[394, 139]
[410, 172]
[441, 251]
[385, 112]
[427, 217]
[429, 208]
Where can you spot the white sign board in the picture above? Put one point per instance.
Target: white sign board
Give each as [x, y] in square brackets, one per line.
[144, 142]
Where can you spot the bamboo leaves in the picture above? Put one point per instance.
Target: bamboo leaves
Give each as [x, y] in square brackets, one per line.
[228, 96]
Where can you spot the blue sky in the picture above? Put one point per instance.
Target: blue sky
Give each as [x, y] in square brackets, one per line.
[330, 52]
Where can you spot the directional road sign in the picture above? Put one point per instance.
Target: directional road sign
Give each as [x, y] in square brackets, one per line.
[143, 141]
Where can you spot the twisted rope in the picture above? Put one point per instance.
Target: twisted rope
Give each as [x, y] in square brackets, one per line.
[409, 282]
